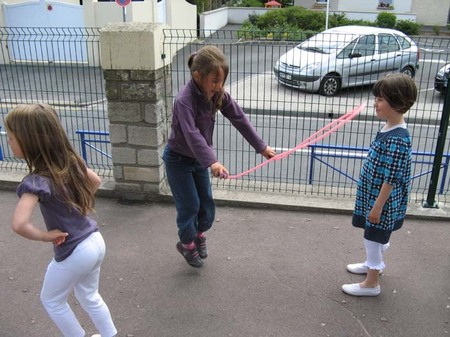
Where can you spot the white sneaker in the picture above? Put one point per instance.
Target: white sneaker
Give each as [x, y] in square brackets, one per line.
[355, 289]
[96, 335]
[358, 268]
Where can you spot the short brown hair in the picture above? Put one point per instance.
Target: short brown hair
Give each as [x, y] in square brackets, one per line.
[399, 90]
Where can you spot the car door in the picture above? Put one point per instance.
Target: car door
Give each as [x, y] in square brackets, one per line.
[390, 54]
[359, 59]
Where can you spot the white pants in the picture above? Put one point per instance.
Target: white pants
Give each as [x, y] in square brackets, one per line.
[374, 254]
[80, 272]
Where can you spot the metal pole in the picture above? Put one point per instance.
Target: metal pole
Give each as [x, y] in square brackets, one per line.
[124, 12]
[431, 197]
[326, 15]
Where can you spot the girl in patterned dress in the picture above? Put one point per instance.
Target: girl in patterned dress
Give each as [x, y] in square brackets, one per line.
[64, 188]
[384, 183]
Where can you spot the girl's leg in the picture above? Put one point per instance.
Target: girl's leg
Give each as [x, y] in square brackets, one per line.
[58, 283]
[179, 170]
[374, 262]
[86, 289]
[207, 210]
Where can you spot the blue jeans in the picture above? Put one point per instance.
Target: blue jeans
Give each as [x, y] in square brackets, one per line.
[191, 189]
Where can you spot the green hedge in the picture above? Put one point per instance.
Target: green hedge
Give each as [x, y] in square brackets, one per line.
[296, 23]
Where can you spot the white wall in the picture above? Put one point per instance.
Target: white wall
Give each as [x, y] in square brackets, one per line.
[400, 6]
[431, 12]
[237, 15]
[213, 20]
[178, 13]
[181, 14]
[372, 16]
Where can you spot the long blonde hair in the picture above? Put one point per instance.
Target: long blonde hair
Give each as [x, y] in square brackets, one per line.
[48, 153]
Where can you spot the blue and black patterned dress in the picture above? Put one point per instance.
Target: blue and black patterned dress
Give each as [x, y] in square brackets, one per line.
[388, 161]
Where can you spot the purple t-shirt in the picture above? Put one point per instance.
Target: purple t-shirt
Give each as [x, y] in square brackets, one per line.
[193, 124]
[58, 215]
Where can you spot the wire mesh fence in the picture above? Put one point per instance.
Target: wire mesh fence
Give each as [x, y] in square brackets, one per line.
[286, 108]
[61, 67]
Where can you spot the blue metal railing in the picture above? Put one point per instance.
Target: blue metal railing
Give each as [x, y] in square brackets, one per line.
[349, 152]
[1, 153]
[87, 142]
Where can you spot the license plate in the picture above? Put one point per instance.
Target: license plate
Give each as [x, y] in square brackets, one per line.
[286, 76]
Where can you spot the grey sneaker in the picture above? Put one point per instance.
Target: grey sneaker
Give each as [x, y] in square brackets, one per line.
[191, 255]
[200, 243]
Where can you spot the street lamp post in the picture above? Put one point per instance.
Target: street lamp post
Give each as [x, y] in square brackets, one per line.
[327, 13]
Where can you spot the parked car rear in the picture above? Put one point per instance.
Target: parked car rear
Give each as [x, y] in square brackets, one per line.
[441, 79]
[347, 56]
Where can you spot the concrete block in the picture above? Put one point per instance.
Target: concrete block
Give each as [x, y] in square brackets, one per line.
[124, 112]
[123, 155]
[118, 133]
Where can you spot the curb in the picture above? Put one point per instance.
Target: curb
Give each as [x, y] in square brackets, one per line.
[249, 199]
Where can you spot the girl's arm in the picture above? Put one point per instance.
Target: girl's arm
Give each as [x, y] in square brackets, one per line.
[375, 212]
[96, 180]
[21, 223]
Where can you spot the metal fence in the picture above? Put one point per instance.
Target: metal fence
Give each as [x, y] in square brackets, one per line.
[59, 66]
[72, 81]
[285, 116]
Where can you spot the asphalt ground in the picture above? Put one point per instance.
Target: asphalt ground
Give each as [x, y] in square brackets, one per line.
[269, 273]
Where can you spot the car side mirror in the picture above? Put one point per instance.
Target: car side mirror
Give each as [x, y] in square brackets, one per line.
[355, 54]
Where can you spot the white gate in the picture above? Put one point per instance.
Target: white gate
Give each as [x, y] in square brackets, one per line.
[55, 45]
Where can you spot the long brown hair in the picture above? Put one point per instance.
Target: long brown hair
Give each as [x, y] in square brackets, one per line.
[48, 153]
[209, 59]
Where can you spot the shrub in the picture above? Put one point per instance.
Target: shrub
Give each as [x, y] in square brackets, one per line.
[408, 27]
[252, 3]
[436, 30]
[386, 20]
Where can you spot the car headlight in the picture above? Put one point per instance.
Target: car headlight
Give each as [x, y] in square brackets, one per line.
[442, 71]
[311, 67]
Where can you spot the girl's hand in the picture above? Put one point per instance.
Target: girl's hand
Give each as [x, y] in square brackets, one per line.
[375, 215]
[219, 171]
[268, 152]
[57, 237]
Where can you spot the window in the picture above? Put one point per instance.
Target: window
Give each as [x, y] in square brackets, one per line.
[386, 4]
[365, 46]
[403, 42]
[387, 43]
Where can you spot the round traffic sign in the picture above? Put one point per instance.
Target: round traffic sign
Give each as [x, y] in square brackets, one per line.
[123, 3]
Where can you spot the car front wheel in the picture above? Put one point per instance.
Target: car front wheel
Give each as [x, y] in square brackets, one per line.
[408, 71]
[330, 85]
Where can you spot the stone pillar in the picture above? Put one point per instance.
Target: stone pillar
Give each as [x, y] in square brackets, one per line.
[138, 113]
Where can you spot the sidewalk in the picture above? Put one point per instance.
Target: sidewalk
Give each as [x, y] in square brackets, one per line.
[269, 273]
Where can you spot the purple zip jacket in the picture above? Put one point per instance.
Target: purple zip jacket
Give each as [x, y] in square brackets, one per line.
[193, 124]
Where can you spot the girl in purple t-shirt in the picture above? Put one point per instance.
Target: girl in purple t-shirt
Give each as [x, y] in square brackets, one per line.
[64, 188]
[189, 154]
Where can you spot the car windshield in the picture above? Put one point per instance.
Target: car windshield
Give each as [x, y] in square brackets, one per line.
[326, 43]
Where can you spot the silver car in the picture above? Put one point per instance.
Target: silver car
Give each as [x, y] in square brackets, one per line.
[347, 56]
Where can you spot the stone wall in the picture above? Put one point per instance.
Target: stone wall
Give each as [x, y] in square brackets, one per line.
[138, 113]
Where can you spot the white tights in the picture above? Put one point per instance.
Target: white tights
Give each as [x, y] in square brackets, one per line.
[374, 254]
[79, 272]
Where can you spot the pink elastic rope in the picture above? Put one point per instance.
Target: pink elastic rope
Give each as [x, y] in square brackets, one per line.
[318, 135]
